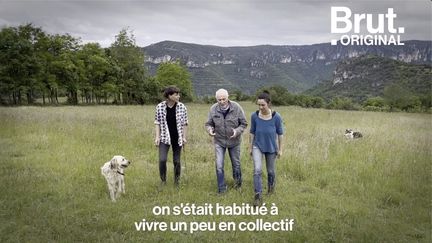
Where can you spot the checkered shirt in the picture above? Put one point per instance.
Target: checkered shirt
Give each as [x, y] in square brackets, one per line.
[181, 121]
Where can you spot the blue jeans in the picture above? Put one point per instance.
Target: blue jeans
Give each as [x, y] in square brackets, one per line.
[234, 154]
[270, 158]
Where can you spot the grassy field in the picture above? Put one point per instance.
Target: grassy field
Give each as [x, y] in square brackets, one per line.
[376, 189]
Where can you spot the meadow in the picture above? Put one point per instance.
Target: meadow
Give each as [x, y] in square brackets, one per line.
[375, 189]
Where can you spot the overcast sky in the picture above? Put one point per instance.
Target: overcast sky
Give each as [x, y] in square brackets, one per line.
[217, 22]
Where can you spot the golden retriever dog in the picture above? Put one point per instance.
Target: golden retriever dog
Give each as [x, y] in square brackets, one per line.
[113, 171]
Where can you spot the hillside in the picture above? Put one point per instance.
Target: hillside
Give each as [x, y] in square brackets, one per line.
[368, 76]
[297, 68]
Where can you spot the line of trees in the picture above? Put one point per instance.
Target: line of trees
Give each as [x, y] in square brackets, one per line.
[36, 65]
[394, 99]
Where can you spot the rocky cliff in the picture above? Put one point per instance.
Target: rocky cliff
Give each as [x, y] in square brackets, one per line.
[297, 68]
[368, 76]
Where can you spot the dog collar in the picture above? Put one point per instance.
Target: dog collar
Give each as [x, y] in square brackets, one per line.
[120, 173]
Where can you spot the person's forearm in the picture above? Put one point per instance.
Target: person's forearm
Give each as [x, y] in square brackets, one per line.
[157, 131]
[280, 138]
[185, 132]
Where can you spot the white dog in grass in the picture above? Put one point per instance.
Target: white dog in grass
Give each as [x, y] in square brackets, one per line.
[113, 171]
[350, 134]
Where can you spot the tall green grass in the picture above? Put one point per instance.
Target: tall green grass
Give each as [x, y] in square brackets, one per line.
[375, 189]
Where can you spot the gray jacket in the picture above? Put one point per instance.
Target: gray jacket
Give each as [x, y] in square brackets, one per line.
[223, 127]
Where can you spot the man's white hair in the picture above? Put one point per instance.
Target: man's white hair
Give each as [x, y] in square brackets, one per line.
[221, 92]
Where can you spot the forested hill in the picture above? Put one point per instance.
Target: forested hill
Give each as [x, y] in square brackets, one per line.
[370, 76]
[296, 68]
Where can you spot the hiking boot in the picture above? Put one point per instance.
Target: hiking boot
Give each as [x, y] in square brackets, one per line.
[258, 200]
[161, 185]
[270, 190]
[177, 184]
[222, 191]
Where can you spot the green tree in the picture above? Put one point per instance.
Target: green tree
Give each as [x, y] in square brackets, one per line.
[398, 98]
[47, 80]
[303, 100]
[426, 101]
[99, 82]
[20, 62]
[374, 104]
[130, 60]
[67, 67]
[375, 101]
[341, 103]
[153, 90]
[8, 86]
[317, 102]
[279, 95]
[238, 95]
[173, 73]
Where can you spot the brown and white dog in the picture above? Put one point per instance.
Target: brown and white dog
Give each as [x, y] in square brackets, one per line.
[350, 134]
[113, 171]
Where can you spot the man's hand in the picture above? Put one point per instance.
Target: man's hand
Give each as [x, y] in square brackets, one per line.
[234, 134]
[211, 132]
[157, 141]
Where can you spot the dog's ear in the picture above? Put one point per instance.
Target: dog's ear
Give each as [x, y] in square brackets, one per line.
[112, 164]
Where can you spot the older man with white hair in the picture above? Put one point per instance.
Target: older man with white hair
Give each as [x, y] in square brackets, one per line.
[226, 123]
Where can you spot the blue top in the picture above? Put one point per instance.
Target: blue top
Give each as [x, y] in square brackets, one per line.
[265, 132]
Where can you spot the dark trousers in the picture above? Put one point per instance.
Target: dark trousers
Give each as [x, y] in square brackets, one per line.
[163, 155]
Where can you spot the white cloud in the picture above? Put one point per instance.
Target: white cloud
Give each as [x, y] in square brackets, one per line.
[223, 22]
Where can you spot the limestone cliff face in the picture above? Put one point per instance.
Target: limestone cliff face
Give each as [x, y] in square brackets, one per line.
[368, 75]
[295, 67]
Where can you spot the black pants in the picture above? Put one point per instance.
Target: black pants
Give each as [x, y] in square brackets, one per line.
[163, 155]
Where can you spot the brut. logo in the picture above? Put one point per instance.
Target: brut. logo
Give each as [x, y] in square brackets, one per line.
[380, 29]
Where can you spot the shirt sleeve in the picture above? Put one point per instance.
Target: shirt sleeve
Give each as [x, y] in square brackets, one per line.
[242, 121]
[209, 123]
[157, 116]
[253, 124]
[279, 125]
[185, 121]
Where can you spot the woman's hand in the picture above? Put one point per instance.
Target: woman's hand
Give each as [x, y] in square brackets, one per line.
[279, 153]
[157, 141]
